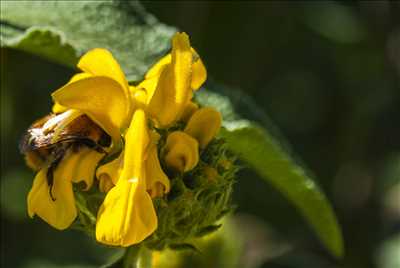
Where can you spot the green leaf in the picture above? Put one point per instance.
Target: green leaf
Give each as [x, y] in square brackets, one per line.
[264, 153]
[62, 31]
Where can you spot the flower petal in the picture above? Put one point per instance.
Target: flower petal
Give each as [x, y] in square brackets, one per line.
[199, 74]
[57, 108]
[111, 171]
[101, 98]
[181, 151]
[86, 166]
[150, 86]
[127, 215]
[204, 125]
[137, 140]
[79, 76]
[173, 90]
[157, 68]
[100, 62]
[157, 182]
[61, 212]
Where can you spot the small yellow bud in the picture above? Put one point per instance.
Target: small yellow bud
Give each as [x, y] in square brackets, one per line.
[182, 151]
[204, 125]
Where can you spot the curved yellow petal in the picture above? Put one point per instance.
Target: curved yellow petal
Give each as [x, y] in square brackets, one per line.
[157, 68]
[204, 125]
[61, 211]
[57, 108]
[101, 98]
[79, 76]
[100, 62]
[181, 151]
[140, 98]
[157, 182]
[127, 215]
[199, 75]
[162, 106]
[111, 171]
[173, 90]
[150, 86]
[86, 166]
[137, 140]
[199, 72]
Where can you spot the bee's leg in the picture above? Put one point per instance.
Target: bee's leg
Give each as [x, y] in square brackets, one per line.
[50, 181]
[93, 145]
[58, 156]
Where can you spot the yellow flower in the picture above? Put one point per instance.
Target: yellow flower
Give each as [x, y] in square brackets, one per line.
[181, 151]
[204, 125]
[132, 117]
[127, 215]
[101, 92]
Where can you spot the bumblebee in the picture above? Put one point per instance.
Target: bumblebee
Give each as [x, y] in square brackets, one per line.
[43, 146]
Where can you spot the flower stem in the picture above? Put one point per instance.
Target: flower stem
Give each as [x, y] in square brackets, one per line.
[137, 257]
[145, 258]
[130, 259]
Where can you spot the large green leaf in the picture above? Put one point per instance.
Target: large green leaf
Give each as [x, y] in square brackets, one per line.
[63, 30]
[269, 156]
[263, 153]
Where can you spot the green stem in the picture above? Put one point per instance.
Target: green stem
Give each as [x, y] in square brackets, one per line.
[130, 259]
[137, 257]
[145, 258]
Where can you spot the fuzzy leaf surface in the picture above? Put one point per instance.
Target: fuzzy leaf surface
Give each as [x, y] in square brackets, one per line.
[62, 31]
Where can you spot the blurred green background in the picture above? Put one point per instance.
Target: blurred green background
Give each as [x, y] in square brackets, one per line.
[326, 74]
